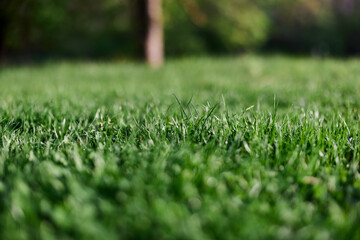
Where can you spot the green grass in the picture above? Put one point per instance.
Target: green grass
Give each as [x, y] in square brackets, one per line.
[233, 148]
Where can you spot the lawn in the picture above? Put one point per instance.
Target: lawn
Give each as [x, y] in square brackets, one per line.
[250, 147]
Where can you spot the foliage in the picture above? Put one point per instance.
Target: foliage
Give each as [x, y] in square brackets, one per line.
[248, 148]
[86, 28]
[239, 25]
[182, 36]
[315, 26]
[214, 26]
[90, 28]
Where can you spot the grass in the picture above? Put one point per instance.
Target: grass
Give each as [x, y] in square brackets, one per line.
[233, 148]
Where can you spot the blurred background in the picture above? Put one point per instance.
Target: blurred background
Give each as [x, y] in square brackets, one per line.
[36, 30]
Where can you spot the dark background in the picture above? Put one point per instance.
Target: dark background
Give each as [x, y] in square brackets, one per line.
[107, 29]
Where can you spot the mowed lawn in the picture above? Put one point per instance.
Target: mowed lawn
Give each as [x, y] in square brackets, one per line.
[250, 147]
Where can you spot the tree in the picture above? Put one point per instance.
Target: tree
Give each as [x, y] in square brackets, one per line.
[149, 14]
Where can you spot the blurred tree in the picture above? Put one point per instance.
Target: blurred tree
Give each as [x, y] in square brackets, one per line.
[120, 29]
[154, 38]
[149, 14]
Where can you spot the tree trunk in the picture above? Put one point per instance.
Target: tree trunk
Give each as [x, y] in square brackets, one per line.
[149, 30]
[154, 43]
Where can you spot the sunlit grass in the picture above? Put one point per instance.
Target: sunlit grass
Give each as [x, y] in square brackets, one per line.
[233, 148]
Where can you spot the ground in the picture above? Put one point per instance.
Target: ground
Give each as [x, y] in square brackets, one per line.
[250, 147]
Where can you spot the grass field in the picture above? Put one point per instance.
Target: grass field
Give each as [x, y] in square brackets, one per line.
[231, 148]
